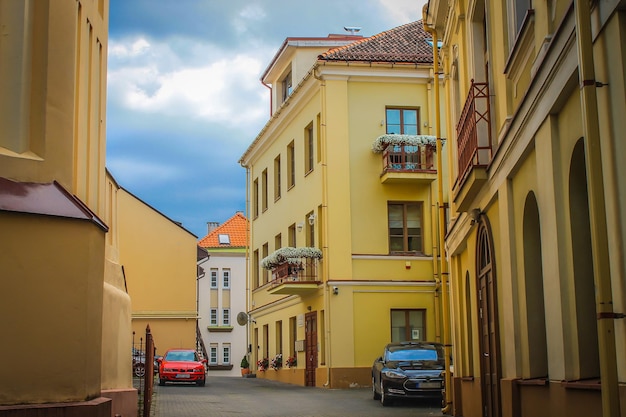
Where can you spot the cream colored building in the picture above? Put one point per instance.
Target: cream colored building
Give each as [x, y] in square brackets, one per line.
[66, 317]
[535, 93]
[222, 295]
[316, 186]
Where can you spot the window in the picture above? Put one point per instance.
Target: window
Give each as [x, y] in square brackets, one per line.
[264, 190]
[255, 269]
[223, 239]
[518, 9]
[277, 178]
[265, 271]
[226, 278]
[213, 278]
[310, 231]
[255, 198]
[291, 165]
[292, 236]
[308, 149]
[402, 121]
[405, 227]
[213, 354]
[226, 353]
[318, 127]
[293, 336]
[213, 318]
[407, 325]
[287, 86]
[278, 241]
[226, 317]
[279, 337]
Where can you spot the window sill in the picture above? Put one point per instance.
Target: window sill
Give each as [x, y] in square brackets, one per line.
[585, 384]
[220, 367]
[220, 329]
[532, 381]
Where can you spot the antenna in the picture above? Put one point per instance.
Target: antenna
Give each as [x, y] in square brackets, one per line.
[352, 29]
[244, 318]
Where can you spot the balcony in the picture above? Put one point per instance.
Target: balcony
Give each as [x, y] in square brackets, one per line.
[407, 158]
[294, 270]
[474, 146]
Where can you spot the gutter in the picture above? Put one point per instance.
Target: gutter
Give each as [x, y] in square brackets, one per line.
[447, 408]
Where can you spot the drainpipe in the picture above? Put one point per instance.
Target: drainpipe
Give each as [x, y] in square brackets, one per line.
[248, 240]
[599, 234]
[324, 225]
[447, 408]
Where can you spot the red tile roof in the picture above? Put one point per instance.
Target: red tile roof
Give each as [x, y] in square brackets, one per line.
[236, 228]
[406, 44]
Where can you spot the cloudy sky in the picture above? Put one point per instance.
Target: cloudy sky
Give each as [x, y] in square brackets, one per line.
[184, 95]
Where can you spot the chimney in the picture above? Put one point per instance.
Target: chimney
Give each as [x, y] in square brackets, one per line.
[212, 226]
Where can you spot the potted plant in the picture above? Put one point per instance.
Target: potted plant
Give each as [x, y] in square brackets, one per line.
[245, 366]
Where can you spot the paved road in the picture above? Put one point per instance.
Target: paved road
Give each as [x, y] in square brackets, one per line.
[233, 396]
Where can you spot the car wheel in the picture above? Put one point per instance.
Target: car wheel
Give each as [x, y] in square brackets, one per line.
[375, 395]
[161, 382]
[384, 400]
[139, 370]
[201, 383]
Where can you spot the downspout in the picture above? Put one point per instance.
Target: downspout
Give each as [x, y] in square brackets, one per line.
[271, 97]
[435, 237]
[447, 408]
[597, 211]
[324, 224]
[248, 294]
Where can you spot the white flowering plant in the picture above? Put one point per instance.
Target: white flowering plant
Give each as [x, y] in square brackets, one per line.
[277, 361]
[383, 141]
[289, 255]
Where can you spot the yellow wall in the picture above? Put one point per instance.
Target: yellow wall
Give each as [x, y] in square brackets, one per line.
[159, 259]
[57, 315]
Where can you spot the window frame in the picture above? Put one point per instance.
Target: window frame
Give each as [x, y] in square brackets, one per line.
[213, 317]
[213, 355]
[213, 278]
[309, 149]
[226, 317]
[408, 328]
[402, 124]
[405, 235]
[277, 174]
[291, 165]
[226, 278]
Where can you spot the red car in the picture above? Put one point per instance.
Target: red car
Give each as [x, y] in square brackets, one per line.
[182, 365]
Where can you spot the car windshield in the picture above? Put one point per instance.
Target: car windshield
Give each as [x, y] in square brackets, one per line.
[413, 355]
[182, 356]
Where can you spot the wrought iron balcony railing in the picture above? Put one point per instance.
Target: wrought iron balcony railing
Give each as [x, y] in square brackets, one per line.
[408, 158]
[473, 131]
[303, 271]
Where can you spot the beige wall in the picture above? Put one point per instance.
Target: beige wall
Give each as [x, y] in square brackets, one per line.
[159, 259]
[52, 303]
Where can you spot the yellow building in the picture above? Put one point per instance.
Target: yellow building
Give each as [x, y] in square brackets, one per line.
[535, 98]
[343, 171]
[159, 259]
[66, 319]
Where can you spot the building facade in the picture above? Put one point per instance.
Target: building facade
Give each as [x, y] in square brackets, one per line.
[66, 316]
[222, 295]
[161, 278]
[342, 207]
[535, 98]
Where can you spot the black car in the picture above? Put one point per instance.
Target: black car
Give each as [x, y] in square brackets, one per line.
[409, 370]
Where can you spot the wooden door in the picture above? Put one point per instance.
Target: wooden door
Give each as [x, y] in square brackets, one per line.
[311, 348]
[488, 318]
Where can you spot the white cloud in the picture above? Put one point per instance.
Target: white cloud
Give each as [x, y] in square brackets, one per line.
[404, 10]
[249, 14]
[158, 82]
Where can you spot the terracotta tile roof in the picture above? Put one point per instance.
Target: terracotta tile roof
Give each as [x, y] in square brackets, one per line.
[236, 228]
[406, 44]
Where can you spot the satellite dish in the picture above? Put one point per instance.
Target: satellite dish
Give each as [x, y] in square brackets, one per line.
[243, 318]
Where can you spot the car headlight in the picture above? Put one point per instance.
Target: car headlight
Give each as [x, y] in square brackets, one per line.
[393, 374]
